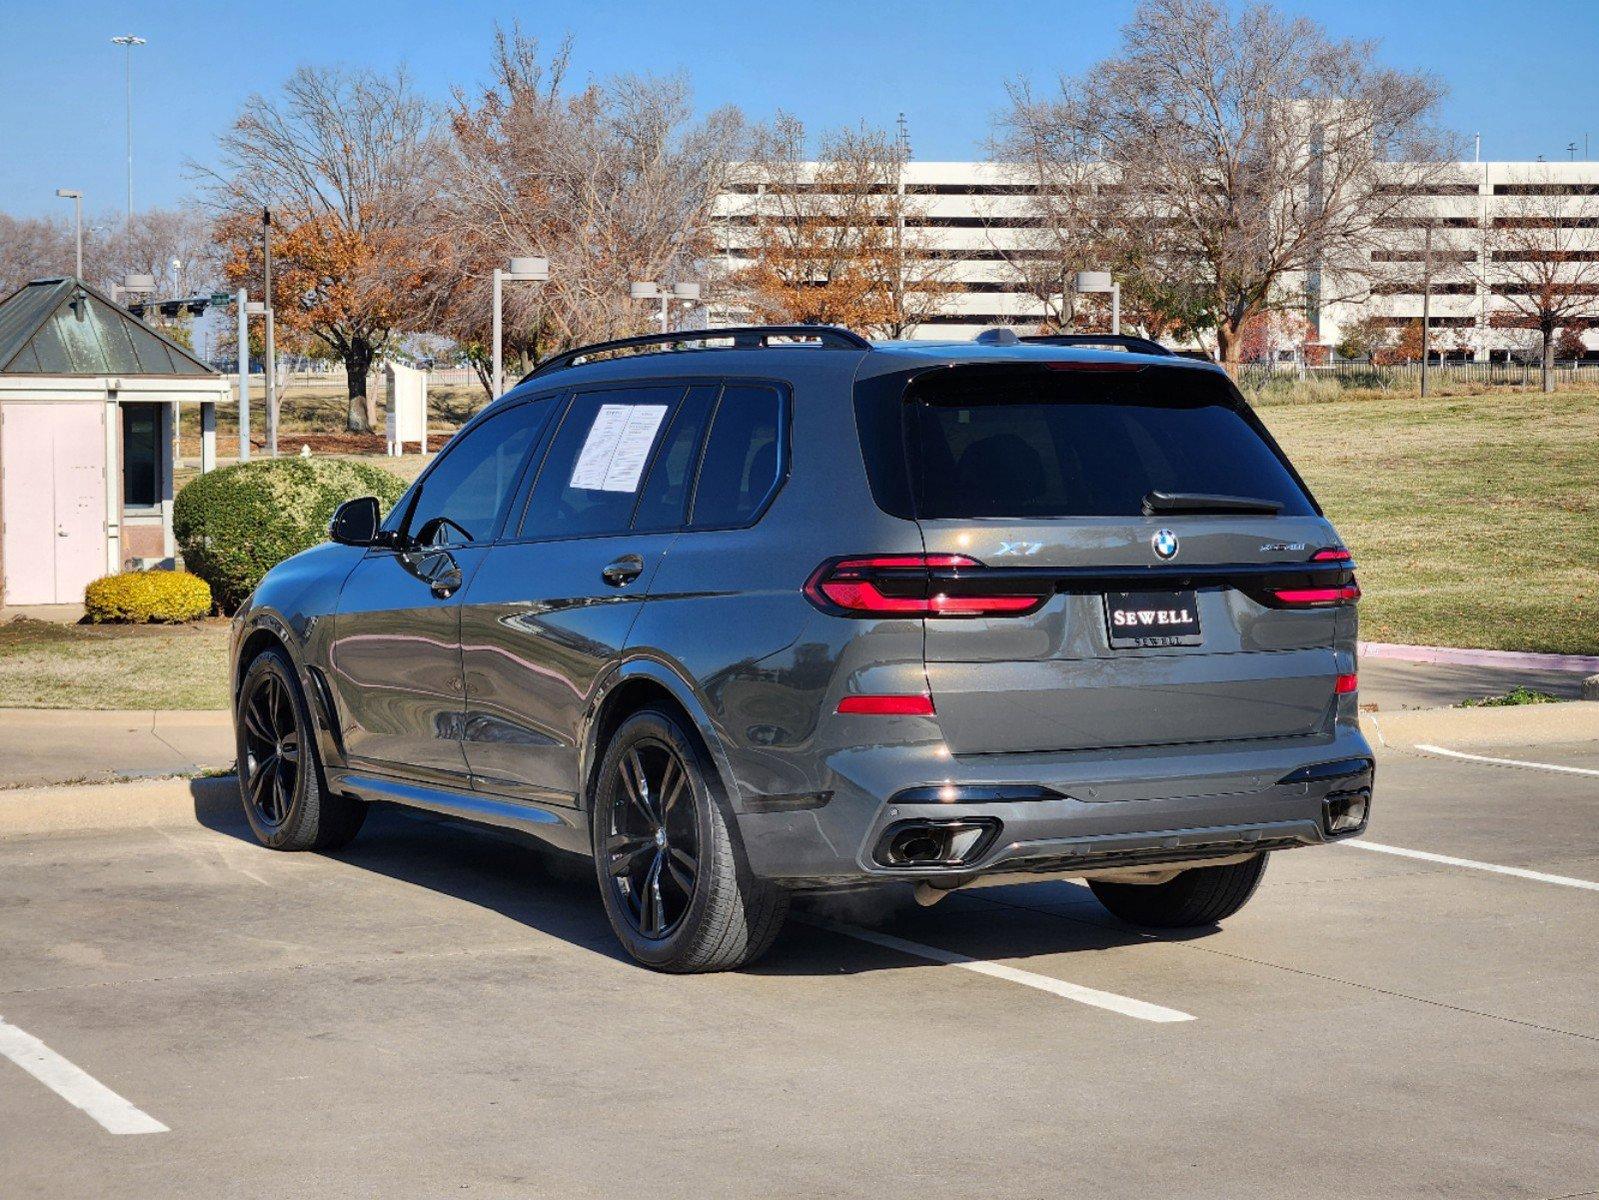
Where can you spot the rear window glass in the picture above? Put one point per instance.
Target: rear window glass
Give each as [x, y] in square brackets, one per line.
[1062, 443]
[741, 457]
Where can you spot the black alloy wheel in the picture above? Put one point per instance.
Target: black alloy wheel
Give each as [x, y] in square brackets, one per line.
[652, 844]
[271, 763]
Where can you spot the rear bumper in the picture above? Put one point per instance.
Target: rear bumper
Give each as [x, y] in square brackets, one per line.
[1058, 813]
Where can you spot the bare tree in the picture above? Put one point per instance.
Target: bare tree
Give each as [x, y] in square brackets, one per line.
[33, 248]
[837, 238]
[612, 182]
[345, 161]
[1542, 266]
[1247, 162]
[172, 244]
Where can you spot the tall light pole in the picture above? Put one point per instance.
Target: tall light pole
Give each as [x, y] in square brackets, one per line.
[271, 345]
[76, 196]
[522, 270]
[128, 41]
[1103, 281]
[689, 293]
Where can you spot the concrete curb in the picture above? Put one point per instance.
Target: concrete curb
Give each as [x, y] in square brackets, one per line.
[82, 808]
[1518, 725]
[116, 718]
[1509, 660]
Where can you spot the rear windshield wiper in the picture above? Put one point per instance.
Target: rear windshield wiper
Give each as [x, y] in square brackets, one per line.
[1200, 502]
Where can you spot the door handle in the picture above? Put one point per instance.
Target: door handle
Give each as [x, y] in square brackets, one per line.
[623, 571]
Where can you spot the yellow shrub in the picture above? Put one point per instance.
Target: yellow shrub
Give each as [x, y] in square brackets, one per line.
[140, 596]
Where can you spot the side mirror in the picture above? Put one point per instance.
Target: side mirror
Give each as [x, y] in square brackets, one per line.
[355, 522]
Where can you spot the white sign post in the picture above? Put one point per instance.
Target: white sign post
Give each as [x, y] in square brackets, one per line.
[407, 407]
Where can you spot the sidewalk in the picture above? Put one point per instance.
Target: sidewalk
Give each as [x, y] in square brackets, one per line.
[48, 746]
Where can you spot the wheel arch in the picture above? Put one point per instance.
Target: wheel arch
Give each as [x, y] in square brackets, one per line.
[642, 683]
[267, 631]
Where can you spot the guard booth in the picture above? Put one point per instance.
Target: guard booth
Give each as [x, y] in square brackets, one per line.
[89, 404]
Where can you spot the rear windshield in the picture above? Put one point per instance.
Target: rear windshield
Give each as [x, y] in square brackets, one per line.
[986, 442]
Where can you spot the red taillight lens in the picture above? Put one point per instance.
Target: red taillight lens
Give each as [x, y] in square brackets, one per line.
[1332, 554]
[1318, 597]
[1345, 684]
[904, 585]
[887, 706]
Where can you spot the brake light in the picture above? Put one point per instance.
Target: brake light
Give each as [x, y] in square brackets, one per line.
[887, 706]
[1317, 597]
[1345, 684]
[1332, 554]
[919, 585]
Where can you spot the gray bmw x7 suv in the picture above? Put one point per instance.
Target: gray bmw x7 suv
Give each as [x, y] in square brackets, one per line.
[748, 612]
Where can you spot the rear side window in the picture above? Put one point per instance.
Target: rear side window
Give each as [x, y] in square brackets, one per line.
[664, 501]
[743, 457]
[591, 477]
[1040, 444]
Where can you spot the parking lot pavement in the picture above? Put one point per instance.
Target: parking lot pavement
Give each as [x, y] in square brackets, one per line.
[440, 1010]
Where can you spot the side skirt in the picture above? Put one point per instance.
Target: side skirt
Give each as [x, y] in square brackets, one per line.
[562, 827]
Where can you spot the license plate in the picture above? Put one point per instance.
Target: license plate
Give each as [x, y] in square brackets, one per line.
[1152, 619]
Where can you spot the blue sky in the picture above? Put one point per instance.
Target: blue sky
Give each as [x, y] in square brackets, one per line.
[1521, 74]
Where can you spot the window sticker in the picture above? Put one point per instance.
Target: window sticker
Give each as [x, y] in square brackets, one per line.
[617, 447]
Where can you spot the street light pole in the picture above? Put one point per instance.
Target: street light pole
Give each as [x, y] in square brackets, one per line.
[128, 41]
[1426, 304]
[244, 376]
[271, 344]
[522, 270]
[76, 196]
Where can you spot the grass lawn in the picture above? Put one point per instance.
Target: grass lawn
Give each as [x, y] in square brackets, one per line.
[1472, 518]
[43, 665]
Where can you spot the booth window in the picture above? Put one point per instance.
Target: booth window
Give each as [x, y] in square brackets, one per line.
[141, 455]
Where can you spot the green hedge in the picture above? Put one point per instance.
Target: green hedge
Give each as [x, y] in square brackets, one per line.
[141, 596]
[236, 524]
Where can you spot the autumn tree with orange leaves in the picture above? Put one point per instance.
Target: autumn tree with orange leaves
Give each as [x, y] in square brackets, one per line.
[345, 163]
[836, 240]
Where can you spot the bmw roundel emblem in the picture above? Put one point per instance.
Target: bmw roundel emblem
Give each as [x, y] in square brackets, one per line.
[1164, 543]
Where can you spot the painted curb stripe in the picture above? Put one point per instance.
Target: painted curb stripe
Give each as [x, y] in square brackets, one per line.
[1472, 864]
[74, 1085]
[1110, 1001]
[1507, 762]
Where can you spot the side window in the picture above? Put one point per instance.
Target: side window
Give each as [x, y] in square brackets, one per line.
[664, 500]
[459, 500]
[590, 478]
[742, 459]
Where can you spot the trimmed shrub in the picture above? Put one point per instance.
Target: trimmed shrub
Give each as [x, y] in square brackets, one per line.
[236, 524]
[140, 596]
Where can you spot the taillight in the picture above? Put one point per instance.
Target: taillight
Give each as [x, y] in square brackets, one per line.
[1332, 554]
[920, 585]
[1344, 684]
[1317, 597]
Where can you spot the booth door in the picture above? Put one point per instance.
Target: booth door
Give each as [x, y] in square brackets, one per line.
[52, 500]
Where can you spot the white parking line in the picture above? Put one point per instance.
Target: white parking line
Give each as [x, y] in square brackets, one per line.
[74, 1085]
[1473, 864]
[1507, 762]
[1125, 1005]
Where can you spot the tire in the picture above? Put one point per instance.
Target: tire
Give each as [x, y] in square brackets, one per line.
[724, 917]
[1197, 897]
[281, 784]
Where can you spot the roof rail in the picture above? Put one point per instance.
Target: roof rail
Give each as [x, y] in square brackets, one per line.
[1121, 341]
[744, 337]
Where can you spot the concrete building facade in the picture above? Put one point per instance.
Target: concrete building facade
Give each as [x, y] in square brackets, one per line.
[980, 218]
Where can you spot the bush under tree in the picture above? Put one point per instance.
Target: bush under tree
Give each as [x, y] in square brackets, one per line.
[236, 524]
